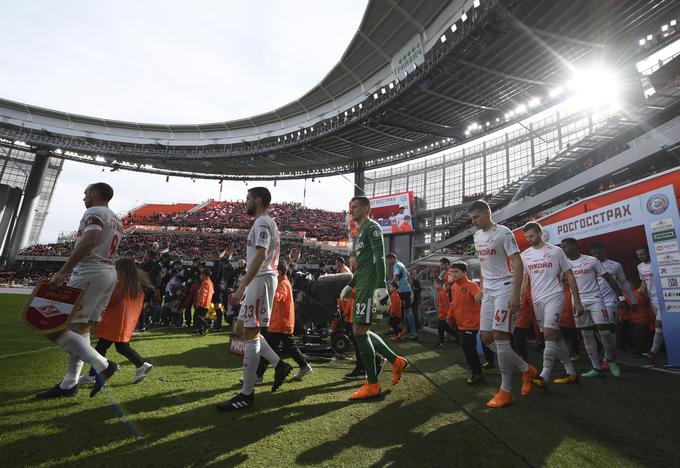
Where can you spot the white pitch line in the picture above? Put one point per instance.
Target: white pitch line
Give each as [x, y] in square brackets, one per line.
[3, 356]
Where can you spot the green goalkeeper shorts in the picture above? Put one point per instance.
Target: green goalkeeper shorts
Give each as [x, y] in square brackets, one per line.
[364, 309]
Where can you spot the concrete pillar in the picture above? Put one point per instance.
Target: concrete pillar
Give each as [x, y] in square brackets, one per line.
[24, 222]
[359, 179]
[7, 219]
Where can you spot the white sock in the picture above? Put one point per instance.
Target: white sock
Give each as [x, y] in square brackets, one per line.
[565, 357]
[73, 367]
[658, 340]
[79, 346]
[251, 359]
[549, 356]
[608, 343]
[268, 353]
[508, 360]
[590, 344]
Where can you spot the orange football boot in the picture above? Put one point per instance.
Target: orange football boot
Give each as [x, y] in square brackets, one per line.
[367, 390]
[527, 377]
[500, 399]
[398, 367]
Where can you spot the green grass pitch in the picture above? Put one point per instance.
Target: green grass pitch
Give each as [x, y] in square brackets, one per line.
[431, 418]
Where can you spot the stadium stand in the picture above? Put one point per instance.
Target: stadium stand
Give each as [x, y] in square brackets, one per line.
[291, 217]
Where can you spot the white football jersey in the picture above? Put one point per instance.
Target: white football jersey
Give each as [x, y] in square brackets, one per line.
[545, 267]
[646, 275]
[616, 270]
[494, 248]
[100, 218]
[586, 270]
[264, 233]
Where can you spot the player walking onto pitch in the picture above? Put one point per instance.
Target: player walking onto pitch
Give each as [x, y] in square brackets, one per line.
[369, 280]
[255, 294]
[501, 280]
[648, 287]
[545, 265]
[92, 270]
[586, 270]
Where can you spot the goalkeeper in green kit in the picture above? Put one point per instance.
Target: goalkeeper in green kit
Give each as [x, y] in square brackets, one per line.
[369, 280]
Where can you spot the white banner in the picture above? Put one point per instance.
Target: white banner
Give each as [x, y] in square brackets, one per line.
[615, 217]
[411, 54]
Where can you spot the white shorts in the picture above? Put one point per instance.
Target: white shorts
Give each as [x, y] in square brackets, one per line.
[97, 289]
[656, 309]
[548, 311]
[594, 313]
[256, 308]
[613, 312]
[494, 313]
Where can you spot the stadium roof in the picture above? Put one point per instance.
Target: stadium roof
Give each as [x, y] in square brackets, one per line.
[482, 59]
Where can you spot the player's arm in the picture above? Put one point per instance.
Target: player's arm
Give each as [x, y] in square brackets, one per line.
[643, 285]
[612, 283]
[83, 248]
[573, 286]
[625, 286]
[378, 248]
[480, 294]
[517, 280]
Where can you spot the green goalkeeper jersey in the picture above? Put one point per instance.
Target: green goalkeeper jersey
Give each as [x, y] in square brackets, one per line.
[370, 256]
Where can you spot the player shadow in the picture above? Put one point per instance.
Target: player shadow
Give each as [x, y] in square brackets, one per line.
[105, 426]
[212, 356]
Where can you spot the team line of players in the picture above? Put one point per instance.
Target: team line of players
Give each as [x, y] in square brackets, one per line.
[596, 287]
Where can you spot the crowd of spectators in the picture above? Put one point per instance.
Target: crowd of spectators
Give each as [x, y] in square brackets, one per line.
[185, 246]
[290, 217]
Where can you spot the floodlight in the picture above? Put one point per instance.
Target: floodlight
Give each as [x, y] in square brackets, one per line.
[556, 91]
[520, 109]
[664, 28]
[353, 110]
[498, 119]
[673, 22]
[345, 113]
[649, 37]
[535, 102]
[443, 38]
[375, 95]
[383, 91]
[467, 132]
[311, 128]
[475, 4]
[488, 123]
[463, 18]
[454, 28]
[596, 87]
[642, 42]
[361, 106]
[391, 85]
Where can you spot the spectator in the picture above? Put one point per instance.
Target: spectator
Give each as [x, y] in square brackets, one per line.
[202, 303]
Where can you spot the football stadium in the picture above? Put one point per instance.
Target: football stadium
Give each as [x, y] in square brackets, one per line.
[479, 265]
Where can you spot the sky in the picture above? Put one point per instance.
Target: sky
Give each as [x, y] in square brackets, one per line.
[174, 62]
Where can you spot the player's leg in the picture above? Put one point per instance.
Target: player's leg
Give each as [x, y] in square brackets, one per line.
[658, 332]
[296, 355]
[441, 328]
[273, 342]
[508, 359]
[602, 323]
[124, 349]
[553, 315]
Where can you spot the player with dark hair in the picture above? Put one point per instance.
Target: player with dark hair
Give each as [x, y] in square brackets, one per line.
[92, 270]
[501, 274]
[369, 280]
[545, 265]
[255, 295]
